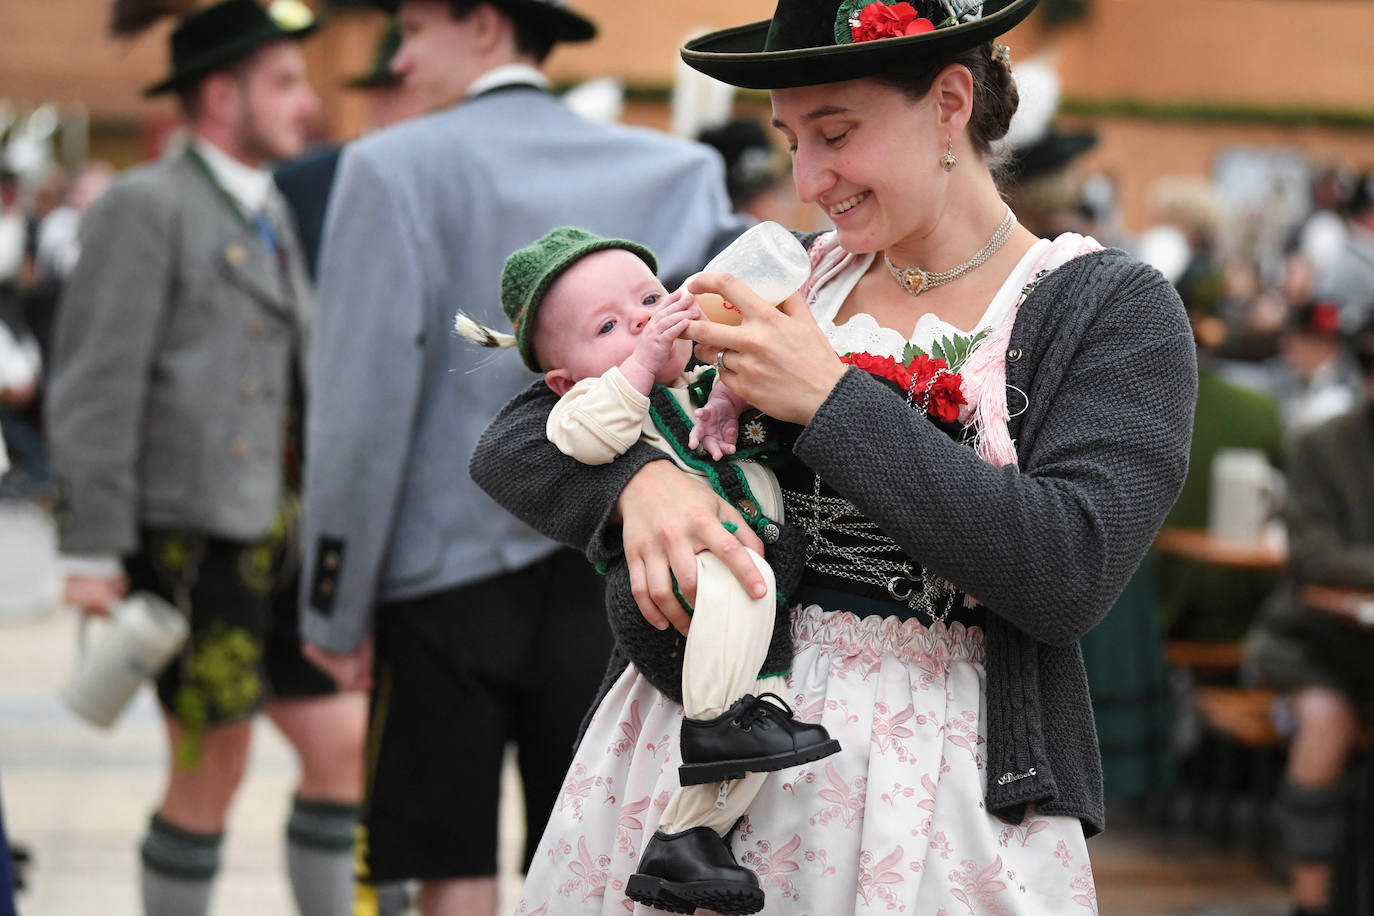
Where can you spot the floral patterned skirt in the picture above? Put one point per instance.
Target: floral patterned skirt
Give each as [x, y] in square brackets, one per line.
[863, 831]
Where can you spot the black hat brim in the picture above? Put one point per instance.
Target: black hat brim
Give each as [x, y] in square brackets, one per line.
[563, 23]
[1051, 153]
[373, 81]
[736, 56]
[227, 54]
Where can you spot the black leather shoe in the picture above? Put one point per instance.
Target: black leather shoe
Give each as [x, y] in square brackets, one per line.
[695, 868]
[752, 736]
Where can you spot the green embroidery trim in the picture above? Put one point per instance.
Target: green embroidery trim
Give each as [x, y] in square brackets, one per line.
[729, 526]
[783, 673]
[173, 553]
[600, 566]
[224, 666]
[706, 467]
[222, 675]
[700, 389]
[224, 195]
[189, 707]
[681, 600]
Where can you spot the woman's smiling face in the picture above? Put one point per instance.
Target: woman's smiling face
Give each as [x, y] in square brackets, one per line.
[867, 155]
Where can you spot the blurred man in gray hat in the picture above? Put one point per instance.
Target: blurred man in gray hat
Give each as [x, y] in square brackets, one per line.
[483, 631]
[172, 410]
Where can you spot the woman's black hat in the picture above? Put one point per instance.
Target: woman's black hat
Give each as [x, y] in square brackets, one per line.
[752, 163]
[559, 22]
[212, 38]
[805, 41]
[1050, 153]
[1316, 317]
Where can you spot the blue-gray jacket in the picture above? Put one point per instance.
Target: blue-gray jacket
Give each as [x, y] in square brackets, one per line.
[422, 218]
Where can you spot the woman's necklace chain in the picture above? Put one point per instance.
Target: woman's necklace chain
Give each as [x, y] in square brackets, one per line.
[916, 281]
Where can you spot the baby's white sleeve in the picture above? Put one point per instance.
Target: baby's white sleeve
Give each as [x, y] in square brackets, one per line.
[598, 419]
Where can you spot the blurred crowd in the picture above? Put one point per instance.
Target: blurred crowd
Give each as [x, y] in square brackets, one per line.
[1275, 284]
[40, 216]
[1275, 266]
[1272, 254]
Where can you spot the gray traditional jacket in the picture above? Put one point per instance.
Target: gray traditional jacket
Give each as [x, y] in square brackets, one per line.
[175, 345]
[1103, 353]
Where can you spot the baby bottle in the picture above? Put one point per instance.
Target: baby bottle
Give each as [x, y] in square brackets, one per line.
[768, 258]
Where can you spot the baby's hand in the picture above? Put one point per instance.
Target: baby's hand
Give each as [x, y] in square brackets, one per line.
[716, 429]
[663, 329]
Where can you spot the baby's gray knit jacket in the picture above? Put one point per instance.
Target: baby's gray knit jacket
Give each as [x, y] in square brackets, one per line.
[1102, 381]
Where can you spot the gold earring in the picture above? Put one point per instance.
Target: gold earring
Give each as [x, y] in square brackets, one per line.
[948, 161]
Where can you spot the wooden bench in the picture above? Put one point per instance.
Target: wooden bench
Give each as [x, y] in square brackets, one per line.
[1243, 715]
[1243, 757]
[1203, 657]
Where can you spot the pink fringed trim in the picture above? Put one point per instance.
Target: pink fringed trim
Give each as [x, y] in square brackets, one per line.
[985, 387]
[817, 249]
[815, 253]
[985, 368]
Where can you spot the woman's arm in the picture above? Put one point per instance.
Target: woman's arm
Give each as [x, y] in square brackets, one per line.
[572, 503]
[668, 517]
[1103, 450]
[1049, 546]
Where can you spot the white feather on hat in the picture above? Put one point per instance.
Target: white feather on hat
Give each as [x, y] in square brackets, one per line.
[1037, 85]
[601, 99]
[471, 329]
[699, 101]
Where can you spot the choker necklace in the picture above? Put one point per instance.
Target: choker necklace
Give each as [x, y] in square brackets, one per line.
[916, 281]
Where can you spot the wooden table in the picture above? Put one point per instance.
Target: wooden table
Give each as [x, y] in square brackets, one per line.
[1210, 659]
[1352, 605]
[1197, 544]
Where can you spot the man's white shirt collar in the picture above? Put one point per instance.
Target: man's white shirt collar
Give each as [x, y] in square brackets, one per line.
[249, 187]
[507, 75]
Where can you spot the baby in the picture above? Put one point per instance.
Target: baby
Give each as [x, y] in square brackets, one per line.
[591, 315]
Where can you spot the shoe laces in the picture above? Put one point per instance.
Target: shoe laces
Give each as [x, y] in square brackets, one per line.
[759, 710]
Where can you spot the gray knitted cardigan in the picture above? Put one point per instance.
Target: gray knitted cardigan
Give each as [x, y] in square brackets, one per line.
[1102, 352]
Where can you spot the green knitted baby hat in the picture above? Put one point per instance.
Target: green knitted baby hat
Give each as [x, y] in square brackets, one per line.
[530, 272]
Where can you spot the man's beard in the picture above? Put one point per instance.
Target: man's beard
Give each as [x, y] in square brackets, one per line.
[259, 144]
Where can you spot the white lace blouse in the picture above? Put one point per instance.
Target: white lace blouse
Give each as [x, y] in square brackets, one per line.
[863, 334]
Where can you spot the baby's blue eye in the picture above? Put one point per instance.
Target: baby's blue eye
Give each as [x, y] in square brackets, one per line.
[606, 328]
[651, 300]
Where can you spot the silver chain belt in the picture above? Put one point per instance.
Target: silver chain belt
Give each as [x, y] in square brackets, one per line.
[871, 557]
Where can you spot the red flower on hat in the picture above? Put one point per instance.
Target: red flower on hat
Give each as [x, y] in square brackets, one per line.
[1326, 318]
[878, 20]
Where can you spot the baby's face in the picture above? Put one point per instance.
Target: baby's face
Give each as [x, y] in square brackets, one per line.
[593, 315]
